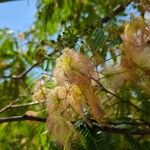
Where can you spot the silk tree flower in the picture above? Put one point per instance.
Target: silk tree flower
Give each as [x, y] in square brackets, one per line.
[74, 95]
[39, 91]
[72, 68]
[142, 59]
[135, 49]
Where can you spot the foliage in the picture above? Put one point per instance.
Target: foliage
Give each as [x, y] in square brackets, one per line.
[84, 66]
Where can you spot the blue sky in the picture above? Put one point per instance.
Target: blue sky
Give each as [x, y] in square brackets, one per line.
[17, 15]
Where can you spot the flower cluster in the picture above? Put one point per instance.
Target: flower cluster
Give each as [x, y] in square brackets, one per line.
[75, 94]
[136, 51]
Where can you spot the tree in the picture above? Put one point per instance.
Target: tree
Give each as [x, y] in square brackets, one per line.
[78, 78]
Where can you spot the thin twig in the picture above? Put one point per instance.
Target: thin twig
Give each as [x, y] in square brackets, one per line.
[9, 105]
[115, 95]
[120, 8]
[25, 72]
[26, 104]
[20, 76]
[112, 58]
[104, 89]
[123, 101]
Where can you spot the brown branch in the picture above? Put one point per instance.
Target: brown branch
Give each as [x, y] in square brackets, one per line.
[120, 8]
[103, 127]
[22, 118]
[21, 75]
[119, 130]
[128, 123]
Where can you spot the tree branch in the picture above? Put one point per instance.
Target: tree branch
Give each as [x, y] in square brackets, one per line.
[129, 123]
[22, 118]
[25, 72]
[120, 8]
[20, 76]
[98, 127]
[3, 1]
[119, 130]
